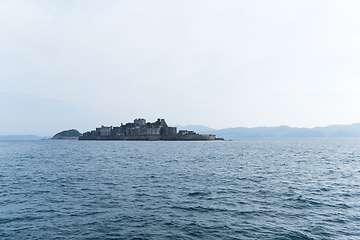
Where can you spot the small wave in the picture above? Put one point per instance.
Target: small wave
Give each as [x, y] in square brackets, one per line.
[200, 209]
[296, 235]
[343, 206]
[199, 193]
[301, 202]
[325, 189]
[336, 220]
[242, 178]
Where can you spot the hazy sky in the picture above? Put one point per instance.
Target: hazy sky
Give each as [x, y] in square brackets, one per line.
[80, 64]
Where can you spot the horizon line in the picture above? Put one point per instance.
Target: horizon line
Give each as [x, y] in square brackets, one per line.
[49, 135]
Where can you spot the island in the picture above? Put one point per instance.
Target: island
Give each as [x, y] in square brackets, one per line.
[68, 134]
[142, 130]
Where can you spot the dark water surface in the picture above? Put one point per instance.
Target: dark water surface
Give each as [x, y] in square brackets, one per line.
[246, 189]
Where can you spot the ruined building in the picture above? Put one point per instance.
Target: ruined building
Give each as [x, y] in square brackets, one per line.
[142, 130]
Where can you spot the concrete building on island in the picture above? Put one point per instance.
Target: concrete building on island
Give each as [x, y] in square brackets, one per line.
[142, 130]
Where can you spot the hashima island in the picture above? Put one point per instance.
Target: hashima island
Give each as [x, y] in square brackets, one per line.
[142, 130]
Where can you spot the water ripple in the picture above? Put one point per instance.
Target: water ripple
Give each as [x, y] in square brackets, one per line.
[246, 189]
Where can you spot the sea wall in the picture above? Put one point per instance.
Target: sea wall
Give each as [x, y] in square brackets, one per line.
[176, 137]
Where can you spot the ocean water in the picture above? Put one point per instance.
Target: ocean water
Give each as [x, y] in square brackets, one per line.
[244, 189]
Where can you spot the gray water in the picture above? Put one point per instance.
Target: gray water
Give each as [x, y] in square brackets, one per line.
[245, 189]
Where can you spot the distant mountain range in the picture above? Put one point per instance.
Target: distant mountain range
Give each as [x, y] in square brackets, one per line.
[331, 131]
[196, 128]
[352, 130]
[22, 137]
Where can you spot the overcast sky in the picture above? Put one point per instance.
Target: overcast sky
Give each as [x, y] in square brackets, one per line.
[80, 64]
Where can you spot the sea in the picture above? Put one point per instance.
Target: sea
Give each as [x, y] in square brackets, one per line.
[240, 189]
